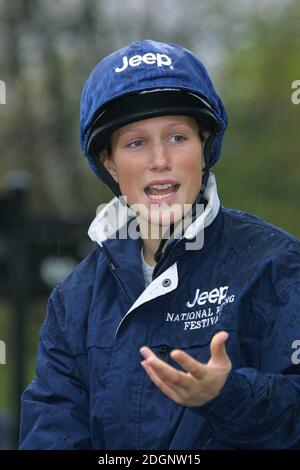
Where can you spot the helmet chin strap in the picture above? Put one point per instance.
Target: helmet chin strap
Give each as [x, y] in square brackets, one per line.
[207, 150]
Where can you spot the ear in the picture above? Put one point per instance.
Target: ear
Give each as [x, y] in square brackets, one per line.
[107, 161]
[206, 133]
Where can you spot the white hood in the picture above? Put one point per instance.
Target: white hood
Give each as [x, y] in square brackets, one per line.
[113, 216]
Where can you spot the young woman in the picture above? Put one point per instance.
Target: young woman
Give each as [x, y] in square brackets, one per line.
[185, 339]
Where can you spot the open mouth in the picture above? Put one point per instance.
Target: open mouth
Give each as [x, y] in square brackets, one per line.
[161, 191]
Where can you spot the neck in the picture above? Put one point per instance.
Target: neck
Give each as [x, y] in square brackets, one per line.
[151, 236]
[149, 249]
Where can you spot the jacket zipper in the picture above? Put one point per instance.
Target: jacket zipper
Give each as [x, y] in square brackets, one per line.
[161, 268]
[112, 269]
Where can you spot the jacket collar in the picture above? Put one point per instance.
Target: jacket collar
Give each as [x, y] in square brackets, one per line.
[113, 218]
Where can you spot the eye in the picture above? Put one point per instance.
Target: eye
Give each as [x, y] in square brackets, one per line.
[178, 138]
[135, 143]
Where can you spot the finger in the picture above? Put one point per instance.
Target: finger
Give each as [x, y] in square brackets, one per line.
[163, 385]
[188, 363]
[218, 349]
[167, 372]
[146, 352]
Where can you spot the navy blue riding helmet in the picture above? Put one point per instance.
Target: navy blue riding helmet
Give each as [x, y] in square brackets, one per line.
[143, 80]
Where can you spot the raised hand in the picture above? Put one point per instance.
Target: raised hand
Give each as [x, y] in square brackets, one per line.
[199, 383]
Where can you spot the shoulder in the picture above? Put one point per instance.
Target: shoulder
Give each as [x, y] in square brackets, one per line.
[250, 229]
[84, 273]
[265, 252]
[69, 302]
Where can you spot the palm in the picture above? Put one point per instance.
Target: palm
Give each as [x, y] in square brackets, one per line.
[199, 383]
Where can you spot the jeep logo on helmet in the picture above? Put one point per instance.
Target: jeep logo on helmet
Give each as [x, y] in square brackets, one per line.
[149, 58]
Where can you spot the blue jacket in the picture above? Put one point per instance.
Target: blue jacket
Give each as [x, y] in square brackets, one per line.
[90, 390]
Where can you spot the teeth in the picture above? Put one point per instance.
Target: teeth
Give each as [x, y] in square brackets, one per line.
[161, 186]
[160, 196]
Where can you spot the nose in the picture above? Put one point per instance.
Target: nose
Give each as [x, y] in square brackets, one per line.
[159, 158]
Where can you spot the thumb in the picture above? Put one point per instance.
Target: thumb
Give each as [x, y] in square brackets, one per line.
[218, 349]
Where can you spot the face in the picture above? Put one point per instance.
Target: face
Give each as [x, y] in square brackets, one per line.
[158, 164]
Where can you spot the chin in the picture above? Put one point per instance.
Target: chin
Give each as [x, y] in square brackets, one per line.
[166, 216]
